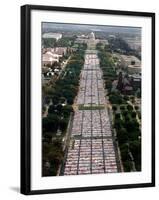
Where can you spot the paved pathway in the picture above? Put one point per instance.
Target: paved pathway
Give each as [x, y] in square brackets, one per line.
[91, 149]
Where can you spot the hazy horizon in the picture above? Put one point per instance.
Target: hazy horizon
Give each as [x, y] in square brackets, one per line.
[85, 27]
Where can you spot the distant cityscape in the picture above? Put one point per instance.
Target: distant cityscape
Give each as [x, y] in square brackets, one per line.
[91, 99]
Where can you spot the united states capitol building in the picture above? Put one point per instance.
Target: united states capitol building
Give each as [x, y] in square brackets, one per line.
[89, 39]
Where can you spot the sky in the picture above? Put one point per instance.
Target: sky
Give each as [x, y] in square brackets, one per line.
[80, 27]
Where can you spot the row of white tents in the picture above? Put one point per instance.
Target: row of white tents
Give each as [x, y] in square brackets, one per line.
[91, 156]
[91, 149]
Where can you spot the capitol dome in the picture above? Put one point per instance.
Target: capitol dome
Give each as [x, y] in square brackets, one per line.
[92, 36]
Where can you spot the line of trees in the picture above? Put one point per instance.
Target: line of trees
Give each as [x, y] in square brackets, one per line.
[107, 65]
[63, 42]
[62, 95]
[128, 136]
[119, 45]
[125, 115]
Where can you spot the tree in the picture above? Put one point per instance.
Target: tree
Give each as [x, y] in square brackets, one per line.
[127, 166]
[135, 148]
[53, 155]
[65, 42]
[132, 99]
[70, 100]
[125, 113]
[48, 135]
[59, 108]
[126, 98]
[50, 123]
[129, 107]
[139, 115]
[63, 124]
[55, 99]
[118, 124]
[114, 108]
[115, 99]
[117, 116]
[133, 114]
[51, 109]
[136, 107]
[66, 110]
[134, 135]
[124, 151]
[49, 42]
[122, 107]
[43, 108]
[119, 45]
[120, 82]
[131, 125]
[108, 84]
[127, 118]
[47, 91]
[138, 93]
[62, 100]
[122, 135]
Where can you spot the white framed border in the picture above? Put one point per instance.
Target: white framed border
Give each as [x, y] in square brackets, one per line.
[44, 183]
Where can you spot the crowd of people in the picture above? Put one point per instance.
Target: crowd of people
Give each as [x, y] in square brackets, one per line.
[91, 123]
[91, 90]
[91, 156]
[91, 149]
